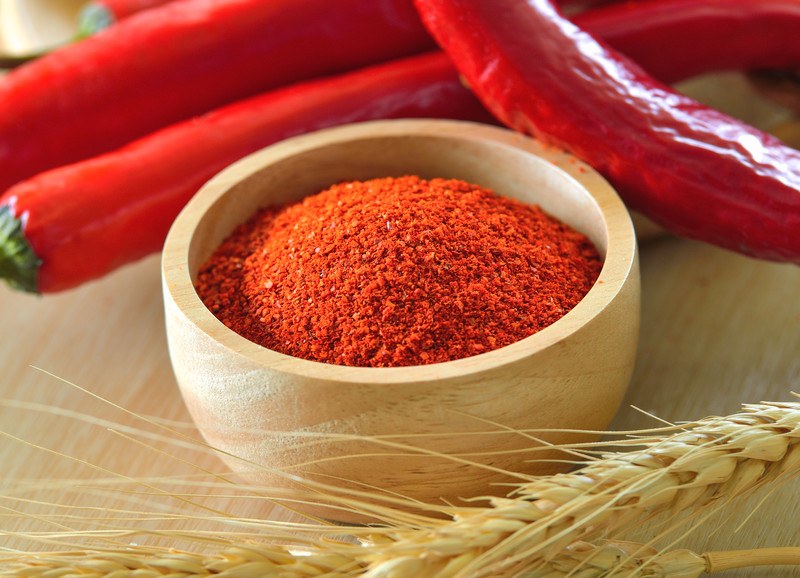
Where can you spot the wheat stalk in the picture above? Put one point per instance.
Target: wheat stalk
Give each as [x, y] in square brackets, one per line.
[580, 560]
[711, 460]
[549, 527]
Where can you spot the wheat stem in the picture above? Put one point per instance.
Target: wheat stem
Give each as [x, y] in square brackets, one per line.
[611, 559]
[732, 559]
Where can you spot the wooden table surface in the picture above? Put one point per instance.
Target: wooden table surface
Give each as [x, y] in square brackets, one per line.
[718, 330]
[88, 401]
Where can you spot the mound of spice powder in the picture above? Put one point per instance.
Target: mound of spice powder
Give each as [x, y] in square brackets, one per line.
[397, 272]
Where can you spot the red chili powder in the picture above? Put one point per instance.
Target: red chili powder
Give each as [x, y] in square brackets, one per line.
[397, 272]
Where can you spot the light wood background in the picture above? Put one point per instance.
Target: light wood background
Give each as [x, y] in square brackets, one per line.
[717, 330]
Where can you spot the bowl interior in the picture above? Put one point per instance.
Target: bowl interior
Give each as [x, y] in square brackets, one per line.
[509, 164]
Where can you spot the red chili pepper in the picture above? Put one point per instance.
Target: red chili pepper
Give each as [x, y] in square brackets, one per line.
[78, 222]
[676, 39]
[100, 14]
[180, 60]
[692, 169]
[187, 181]
[191, 56]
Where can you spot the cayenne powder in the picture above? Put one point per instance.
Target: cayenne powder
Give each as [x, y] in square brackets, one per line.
[397, 272]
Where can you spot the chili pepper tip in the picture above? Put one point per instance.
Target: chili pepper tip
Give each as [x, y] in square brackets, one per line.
[19, 265]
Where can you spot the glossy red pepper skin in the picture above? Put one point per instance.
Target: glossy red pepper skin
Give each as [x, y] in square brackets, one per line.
[694, 170]
[182, 59]
[168, 65]
[676, 39]
[86, 219]
[68, 215]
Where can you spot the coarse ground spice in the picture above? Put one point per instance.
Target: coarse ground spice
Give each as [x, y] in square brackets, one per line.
[396, 272]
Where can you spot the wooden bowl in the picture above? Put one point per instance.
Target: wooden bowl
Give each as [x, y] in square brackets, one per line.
[277, 413]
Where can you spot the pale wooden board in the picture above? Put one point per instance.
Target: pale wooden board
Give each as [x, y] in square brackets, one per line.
[718, 329]
[108, 338]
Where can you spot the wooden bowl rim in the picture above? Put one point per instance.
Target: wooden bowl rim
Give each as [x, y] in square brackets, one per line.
[621, 251]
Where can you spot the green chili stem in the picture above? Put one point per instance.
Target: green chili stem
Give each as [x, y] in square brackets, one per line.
[94, 18]
[19, 265]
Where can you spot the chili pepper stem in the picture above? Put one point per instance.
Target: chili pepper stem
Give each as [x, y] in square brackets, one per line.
[19, 264]
[93, 18]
